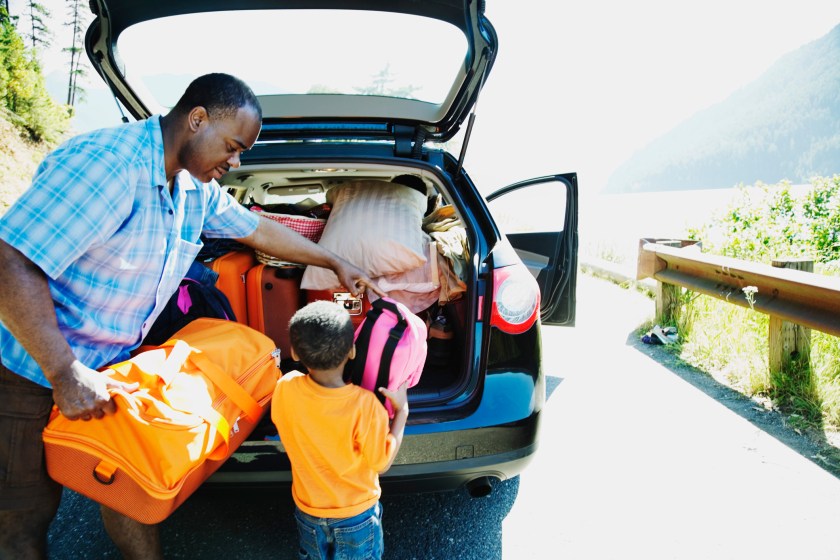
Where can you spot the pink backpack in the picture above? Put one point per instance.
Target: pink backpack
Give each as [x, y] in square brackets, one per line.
[390, 349]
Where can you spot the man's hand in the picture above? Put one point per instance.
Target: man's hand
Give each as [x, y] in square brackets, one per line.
[355, 280]
[276, 239]
[83, 393]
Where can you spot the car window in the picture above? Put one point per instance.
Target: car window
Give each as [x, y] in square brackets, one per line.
[295, 51]
[535, 208]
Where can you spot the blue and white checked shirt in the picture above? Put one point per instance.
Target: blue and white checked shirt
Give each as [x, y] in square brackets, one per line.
[98, 219]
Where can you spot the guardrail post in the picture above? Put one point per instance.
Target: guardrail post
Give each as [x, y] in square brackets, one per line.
[667, 295]
[788, 340]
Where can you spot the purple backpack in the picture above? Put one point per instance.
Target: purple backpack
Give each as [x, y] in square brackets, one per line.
[390, 349]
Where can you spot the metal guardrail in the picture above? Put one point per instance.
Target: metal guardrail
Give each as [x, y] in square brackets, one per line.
[803, 298]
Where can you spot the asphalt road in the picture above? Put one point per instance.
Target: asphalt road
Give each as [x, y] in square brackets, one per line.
[637, 460]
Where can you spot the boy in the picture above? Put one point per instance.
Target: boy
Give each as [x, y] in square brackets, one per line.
[337, 438]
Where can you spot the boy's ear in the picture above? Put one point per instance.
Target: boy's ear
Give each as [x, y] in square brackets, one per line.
[352, 353]
[294, 355]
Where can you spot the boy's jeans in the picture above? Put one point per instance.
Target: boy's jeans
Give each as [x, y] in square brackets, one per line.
[351, 538]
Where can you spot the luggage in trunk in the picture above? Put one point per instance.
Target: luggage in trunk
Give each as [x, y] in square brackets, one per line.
[231, 268]
[273, 296]
[356, 306]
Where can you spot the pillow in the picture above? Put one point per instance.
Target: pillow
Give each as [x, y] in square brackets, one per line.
[375, 225]
[418, 288]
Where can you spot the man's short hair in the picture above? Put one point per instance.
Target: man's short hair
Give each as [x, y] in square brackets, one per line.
[221, 94]
[321, 334]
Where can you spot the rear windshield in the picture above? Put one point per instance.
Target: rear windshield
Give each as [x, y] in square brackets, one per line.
[295, 51]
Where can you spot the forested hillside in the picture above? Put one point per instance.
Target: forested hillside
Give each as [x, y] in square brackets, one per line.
[783, 126]
[30, 121]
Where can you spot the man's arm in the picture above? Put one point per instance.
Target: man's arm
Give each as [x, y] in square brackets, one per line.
[276, 239]
[27, 310]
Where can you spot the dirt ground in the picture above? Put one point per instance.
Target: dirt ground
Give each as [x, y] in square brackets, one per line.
[18, 161]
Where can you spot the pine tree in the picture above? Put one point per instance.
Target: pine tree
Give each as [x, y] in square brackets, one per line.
[24, 100]
[39, 34]
[75, 92]
[381, 85]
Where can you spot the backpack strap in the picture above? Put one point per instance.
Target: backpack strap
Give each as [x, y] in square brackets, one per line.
[357, 371]
[363, 343]
[394, 337]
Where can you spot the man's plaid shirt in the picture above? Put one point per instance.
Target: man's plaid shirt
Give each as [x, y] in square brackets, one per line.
[99, 220]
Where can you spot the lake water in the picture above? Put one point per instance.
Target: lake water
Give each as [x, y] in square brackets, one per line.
[611, 225]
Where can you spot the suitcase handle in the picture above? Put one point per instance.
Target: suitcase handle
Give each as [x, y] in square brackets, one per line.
[181, 352]
[206, 413]
[105, 473]
[229, 387]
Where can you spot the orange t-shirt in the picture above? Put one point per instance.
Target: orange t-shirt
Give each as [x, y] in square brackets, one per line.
[337, 439]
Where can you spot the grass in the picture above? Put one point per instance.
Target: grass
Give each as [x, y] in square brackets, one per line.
[723, 339]
[730, 343]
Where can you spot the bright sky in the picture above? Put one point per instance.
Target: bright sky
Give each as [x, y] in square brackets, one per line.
[580, 86]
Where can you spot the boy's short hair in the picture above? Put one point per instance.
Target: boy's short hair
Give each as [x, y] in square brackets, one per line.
[321, 334]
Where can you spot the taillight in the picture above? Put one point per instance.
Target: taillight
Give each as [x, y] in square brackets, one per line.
[516, 299]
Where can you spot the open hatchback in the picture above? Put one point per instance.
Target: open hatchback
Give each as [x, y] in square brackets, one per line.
[364, 97]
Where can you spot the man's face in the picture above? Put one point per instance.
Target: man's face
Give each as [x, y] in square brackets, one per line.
[217, 143]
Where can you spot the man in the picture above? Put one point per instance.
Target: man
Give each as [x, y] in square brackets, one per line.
[89, 256]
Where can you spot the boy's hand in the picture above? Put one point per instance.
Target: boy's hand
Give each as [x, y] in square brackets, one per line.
[398, 398]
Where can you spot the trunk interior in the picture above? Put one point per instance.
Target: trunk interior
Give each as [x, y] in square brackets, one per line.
[378, 216]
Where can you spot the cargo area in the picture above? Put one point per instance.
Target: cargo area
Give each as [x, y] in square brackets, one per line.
[397, 226]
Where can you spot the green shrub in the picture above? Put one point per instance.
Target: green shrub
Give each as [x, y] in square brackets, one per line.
[765, 223]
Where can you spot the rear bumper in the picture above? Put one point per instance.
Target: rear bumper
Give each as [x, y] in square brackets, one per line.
[500, 452]
[450, 475]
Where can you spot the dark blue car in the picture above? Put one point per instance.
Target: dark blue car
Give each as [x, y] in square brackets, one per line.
[355, 92]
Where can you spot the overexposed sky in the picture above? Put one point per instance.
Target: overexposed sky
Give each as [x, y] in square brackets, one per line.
[592, 82]
[580, 86]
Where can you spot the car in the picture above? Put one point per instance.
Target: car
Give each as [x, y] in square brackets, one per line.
[356, 92]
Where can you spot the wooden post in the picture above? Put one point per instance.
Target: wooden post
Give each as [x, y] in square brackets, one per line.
[667, 295]
[788, 340]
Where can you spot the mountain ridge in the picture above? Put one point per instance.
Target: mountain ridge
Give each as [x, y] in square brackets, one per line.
[785, 125]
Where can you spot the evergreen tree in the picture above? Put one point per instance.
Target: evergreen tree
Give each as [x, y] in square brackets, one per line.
[39, 34]
[24, 100]
[75, 92]
[381, 85]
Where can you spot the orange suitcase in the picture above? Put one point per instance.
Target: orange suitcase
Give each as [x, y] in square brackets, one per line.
[201, 394]
[356, 306]
[273, 295]
[232, 268]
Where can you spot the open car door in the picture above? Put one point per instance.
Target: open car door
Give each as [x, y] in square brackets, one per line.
[539, 217]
